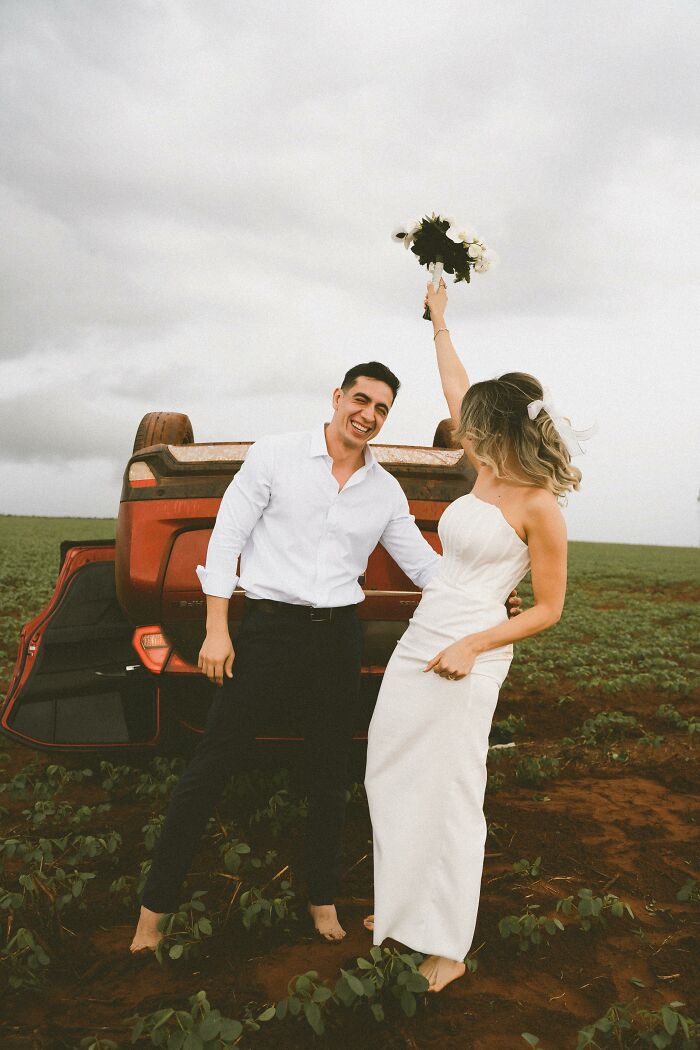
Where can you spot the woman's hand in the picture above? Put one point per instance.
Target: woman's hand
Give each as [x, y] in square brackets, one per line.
[454, 662]
[436, 300]
[216, 656]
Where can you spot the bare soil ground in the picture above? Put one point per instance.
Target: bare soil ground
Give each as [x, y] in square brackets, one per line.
[630, 828]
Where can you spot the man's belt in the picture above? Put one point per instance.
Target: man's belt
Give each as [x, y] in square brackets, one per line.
[302, 612]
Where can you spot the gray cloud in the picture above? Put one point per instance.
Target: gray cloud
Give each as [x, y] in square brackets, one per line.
[197, 199]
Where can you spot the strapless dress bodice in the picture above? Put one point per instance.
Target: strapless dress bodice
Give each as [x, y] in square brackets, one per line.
[484, 559]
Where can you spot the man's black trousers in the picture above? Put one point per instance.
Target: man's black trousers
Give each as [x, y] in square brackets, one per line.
[284, 660]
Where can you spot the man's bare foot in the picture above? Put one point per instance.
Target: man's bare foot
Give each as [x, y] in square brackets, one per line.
[440, 971]
[147, 933]
[368, 922]
[326, 921]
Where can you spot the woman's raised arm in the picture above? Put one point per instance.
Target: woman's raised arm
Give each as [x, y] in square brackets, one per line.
[453, 375]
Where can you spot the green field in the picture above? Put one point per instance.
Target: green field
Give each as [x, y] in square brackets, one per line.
[631, 611]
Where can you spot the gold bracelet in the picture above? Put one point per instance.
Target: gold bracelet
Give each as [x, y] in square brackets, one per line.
[438, 332]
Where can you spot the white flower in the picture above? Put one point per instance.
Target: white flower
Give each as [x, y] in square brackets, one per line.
[399, 233]
[406, 231]
[491, 257]
[474, 250]
[467, 236]
[482, 265]
[412, 230]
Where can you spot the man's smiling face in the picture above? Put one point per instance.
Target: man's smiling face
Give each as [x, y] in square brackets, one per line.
[360, 412]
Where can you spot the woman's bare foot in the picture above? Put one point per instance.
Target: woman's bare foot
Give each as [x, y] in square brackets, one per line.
[439, 971]
[147, 933]
[368, 922]
[326, 921]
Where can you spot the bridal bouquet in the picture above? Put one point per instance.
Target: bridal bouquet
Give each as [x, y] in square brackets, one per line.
[443, 246]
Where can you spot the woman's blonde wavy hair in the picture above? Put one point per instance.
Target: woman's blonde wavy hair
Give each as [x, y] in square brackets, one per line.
[494, 418]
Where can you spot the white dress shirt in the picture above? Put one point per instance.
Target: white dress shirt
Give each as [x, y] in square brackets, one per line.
[302, 541]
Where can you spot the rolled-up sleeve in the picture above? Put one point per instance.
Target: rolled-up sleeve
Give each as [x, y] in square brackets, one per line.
[241, 505]
[407, 546]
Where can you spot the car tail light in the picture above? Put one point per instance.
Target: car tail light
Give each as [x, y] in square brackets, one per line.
[157, 654]
[153, 648]
[141, 475]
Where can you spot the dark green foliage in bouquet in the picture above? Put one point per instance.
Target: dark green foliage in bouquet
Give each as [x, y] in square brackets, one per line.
[431, 244]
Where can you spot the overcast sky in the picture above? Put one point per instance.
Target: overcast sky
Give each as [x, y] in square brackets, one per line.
[197, 200]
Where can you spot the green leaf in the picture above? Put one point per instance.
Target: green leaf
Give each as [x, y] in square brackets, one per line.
[176, 951]
[137, 1029]
[209, 1028]
[533, 1040]
[417, 983]
[313, 1016]
[192, 1042]
[230, 1030]
[378, 1011]
[163, 1016]
[585, 1037]
[204, 925]
[408, 1003]
[232, 861]
[344, 992]
[670, 1020]
[281, 1009]
[364, 964]
[354, 982]
[636, 982]
[268, 1014]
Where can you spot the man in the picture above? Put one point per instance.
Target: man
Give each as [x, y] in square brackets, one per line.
[304, 513]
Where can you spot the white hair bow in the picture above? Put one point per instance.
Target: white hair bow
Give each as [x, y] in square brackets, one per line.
[571, 438]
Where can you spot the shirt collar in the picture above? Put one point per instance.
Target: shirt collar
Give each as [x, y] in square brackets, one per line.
[318, 446]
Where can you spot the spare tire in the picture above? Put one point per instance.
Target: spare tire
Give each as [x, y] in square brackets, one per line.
[163, 428]
[443, 435]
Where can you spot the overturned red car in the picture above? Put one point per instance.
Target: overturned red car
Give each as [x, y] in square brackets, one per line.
[111, 662]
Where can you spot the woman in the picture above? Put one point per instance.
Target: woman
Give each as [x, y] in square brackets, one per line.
[428, 738]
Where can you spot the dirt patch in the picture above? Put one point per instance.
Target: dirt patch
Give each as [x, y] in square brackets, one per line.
[630, 829]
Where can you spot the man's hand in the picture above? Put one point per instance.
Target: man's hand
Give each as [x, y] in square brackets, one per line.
[216, 656]
[514, 604]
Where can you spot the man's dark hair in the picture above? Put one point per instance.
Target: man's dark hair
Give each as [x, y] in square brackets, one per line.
[374, 370]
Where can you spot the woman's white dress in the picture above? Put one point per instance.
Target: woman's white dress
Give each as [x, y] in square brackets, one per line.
[428, 740]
